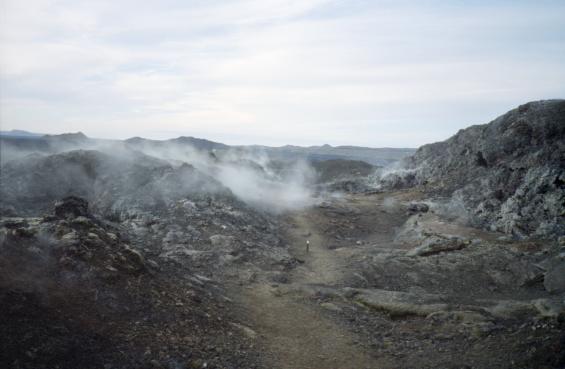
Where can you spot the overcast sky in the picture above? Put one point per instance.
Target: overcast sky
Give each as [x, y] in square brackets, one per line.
[371, 73]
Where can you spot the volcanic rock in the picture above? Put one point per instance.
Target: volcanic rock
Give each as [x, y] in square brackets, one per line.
[71, 207]
[507, 175]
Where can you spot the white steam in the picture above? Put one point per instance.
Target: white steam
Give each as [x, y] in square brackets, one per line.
[250, 174]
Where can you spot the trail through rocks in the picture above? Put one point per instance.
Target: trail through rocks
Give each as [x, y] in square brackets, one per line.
[294, 333]
[361, 298]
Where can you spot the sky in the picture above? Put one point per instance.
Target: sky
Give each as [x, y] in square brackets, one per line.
[307, 72]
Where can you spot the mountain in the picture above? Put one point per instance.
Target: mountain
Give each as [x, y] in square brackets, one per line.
[197, 143]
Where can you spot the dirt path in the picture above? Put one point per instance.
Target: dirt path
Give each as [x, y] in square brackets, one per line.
[294, 334]
[320, 264]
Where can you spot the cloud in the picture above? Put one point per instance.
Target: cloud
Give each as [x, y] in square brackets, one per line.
[369, 73]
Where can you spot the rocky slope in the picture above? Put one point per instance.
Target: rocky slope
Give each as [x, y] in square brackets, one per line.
[77, 292]
[507, 175]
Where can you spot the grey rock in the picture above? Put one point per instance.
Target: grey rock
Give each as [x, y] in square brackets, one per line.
[221, 241]
[550, 308]
[507, 176]
[554, 280]
[436, 244]
[248, 332]
[399, 304]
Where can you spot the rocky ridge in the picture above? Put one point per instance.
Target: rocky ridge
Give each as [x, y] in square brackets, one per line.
[507, 175]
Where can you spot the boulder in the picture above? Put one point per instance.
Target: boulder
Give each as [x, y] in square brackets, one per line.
[398, 304]
[418, 207]
[436, 244]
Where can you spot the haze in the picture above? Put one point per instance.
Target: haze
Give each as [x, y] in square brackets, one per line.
[370, 73]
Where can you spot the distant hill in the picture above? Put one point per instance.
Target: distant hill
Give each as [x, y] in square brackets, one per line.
[197, 143]
[374, 156]
[19, 133]
[57, 143]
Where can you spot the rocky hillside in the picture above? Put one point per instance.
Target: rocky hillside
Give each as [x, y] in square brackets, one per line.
[507, 175]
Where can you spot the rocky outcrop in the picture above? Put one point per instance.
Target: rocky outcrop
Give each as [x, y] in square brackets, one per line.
[507, 175]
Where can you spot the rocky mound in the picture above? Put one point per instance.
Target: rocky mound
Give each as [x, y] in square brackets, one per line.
[507, 175]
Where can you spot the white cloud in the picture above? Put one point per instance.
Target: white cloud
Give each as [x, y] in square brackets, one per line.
[375, 73]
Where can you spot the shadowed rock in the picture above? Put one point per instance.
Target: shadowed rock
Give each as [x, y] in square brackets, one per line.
[71, 207]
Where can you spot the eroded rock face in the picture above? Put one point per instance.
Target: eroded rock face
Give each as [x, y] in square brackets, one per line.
[508, 175]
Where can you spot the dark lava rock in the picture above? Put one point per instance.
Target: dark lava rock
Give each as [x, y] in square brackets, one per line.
[71, 207]
[417, 207]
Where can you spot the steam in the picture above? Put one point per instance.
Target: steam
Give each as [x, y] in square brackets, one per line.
[266, 192]
[250, 174]
[389, 203]
[394, 176]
